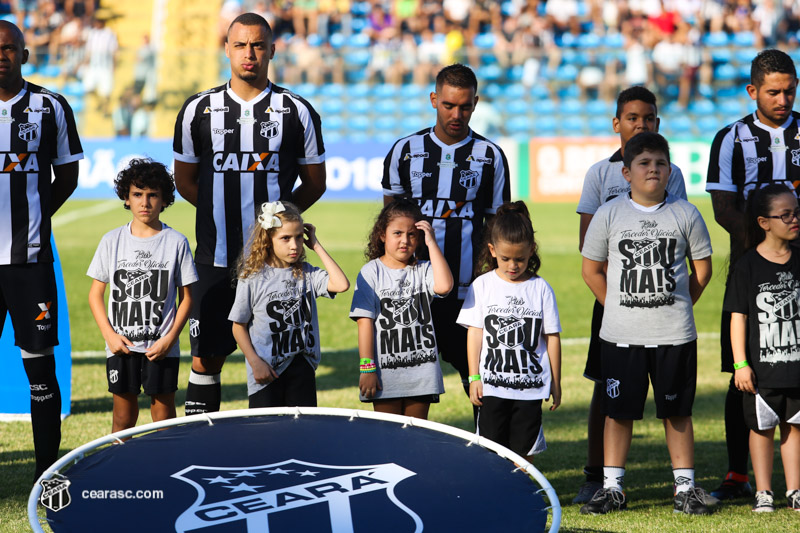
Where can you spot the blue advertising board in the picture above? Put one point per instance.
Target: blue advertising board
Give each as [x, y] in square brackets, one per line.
[354, 169]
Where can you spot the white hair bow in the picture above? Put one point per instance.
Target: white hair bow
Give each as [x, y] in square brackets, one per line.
[267, 218]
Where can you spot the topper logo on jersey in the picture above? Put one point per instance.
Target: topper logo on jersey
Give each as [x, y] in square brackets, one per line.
[270, 129]
[246, 162]
[483, 160]
[419, 175]
[222, 131]
[756, 160]
[55, 495]
[19, 162]
[306, 492]
[28, 131]
[469, 178]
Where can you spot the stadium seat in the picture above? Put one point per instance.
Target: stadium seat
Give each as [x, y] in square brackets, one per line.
[484, 41]
[385, 90]
[570, 106]
[518, 125]
[542, 108]
[360, 9]
[744, 56]
[721, 55]
[358, 137]
[308, 90]
[332, 123]
[540, 92]
[331, 106]
[332, 136]
[543, 126]
[488, 59]
[359, 123]
[515, 73]
[589, 40]
[614, 40]
[600, 125]
[410, 91]
[717, 38]
[386, 136]
[514, 91]
[725, 73]
[337, 40]
[414, 123]
[744, 38]
[708, 125]
[359, 106]
[566, 73]
[732, 107]
[414, 106]
[702, 107]
[28, 69]
[489, 72]
[573, 126]
[600, 108]
[569, 91]
[386, 106]
[385, 124]
[358, 40]
[516, 107]
[332, 90]
[679, 126]
[358, 90]
[73, 88]
[492, 90]
[357, 59]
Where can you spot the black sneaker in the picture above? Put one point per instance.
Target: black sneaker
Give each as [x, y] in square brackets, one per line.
[731, 489]
[793, 500]
[765, 502]
[587, 490]
[690, 502]
[604, 501]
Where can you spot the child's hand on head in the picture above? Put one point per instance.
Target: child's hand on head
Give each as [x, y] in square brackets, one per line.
[425, 227]
[311, 235]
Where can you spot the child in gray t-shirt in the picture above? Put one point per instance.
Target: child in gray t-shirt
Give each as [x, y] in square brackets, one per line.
[648, 331]
[274, 313]
[147, 264]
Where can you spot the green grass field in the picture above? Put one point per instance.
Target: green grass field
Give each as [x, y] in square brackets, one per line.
[342, 228]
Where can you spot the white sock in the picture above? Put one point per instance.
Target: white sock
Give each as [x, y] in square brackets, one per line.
[684, 479]
[613, 477]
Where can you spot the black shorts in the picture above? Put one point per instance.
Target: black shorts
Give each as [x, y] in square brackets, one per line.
[594, 361]
[425, 398]
[516, 424]
[29, 294]
[129, 373]
[296, 386]
[451, 338]
[210, 333]
[671, 369]
[770, 407]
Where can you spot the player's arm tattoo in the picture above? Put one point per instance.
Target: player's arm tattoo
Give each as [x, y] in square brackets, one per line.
[728, 214]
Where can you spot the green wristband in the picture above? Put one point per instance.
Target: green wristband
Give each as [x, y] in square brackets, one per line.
[366, 361]
[741, 364]
[474, 377]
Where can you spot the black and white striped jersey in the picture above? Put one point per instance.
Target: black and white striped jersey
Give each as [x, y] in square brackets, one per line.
[748, 154]
[37, 131]
[456, 186]
[247, 153]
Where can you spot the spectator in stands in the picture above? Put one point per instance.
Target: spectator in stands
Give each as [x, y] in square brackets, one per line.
[42, 37]
[230, 10]
[334, 16]
[304, 17]
[23, 8]
[430, 58]
[80, 8]
[100, 60]
[71, 46]
[768, 18]
[145, 73]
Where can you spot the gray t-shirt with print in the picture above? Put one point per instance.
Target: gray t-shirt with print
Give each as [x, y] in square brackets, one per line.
[398, 301]
[142, 274]
[647, 298]
[280, 311]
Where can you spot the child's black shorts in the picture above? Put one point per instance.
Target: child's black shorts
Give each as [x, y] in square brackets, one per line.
[516, 424]
[671, 369]
[295, 386]
[129, 373]
[770, 407]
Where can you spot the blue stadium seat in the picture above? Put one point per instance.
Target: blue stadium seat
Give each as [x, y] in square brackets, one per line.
[308, 90]
[489, 72]
[411, 91]
[514, 74]
[358, 40]
[514, 91]
[600, 108]
[600, 125]
[725, 72]
[28, 69]
[732, 107]
[570, 106]
[331, 106]
[358, 24]
[332, 136]
[415, 106]
[718, 38]
[386, 106]
[573, 126]
[357, 58]
[484, 41]
[332, 123]
[746, 55]
[569, 91]
[387, 137]
[566, 73]
[708, 125]
[614, 40]
[360, 9]
[542, 108]
[337, 40]
[721, 55]
[359, 123]
[385, 90]
[679, 126]
[385, 124]
[589, 40]
[730, 91]
[702, 107]
[332, 90]
[544, 126]
[488, 59]
[358, 137]
[744, 38]
[492, 90]
[414, 123]
[358, 90]
[359, 106]
[539, 92]
[518, 125]
[74, 88]
[516, 107]
[77, 105]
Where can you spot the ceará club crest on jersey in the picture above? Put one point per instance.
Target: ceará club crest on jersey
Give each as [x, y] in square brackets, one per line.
[292, 496]
[28, 131]
[270, 129]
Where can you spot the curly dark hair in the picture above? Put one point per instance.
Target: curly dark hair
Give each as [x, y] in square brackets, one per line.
[146, 174]
[398, 208]
[511, 224]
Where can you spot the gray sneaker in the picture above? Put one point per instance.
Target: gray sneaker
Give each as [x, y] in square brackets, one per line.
[586, 491]
[690, 502]
[765, 502]
[605, 501]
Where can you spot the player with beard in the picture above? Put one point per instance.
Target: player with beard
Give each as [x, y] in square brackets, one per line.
[757, 150]
[458, 178]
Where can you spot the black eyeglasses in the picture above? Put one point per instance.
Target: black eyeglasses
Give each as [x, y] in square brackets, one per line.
[787, 218]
